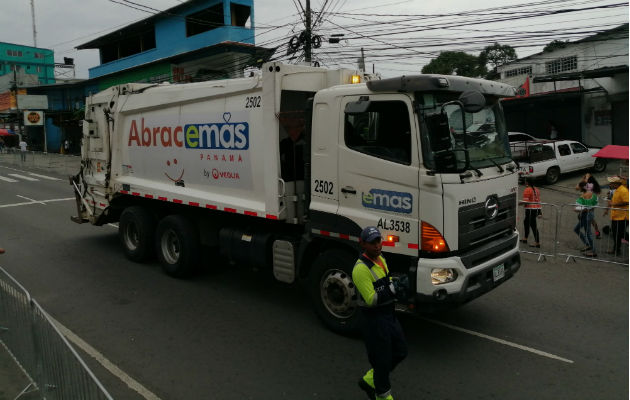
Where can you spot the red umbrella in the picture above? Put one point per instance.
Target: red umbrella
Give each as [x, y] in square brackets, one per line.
[613, 151]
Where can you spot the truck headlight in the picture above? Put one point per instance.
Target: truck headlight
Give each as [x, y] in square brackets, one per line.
[441, 276]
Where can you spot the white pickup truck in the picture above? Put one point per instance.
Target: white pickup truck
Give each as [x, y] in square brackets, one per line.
[549, 159]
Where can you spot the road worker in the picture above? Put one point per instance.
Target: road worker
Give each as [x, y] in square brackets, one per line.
[383, 335]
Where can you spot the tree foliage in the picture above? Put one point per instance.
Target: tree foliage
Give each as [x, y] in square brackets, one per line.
[555, 45]
[455, 63]
[497, 55]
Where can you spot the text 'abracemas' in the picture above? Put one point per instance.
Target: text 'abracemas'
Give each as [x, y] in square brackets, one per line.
[209, 135]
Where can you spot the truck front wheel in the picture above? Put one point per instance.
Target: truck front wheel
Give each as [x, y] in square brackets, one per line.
[600, 165]
[135, 230]
[332, 291]
[552, 176]
[177, 243]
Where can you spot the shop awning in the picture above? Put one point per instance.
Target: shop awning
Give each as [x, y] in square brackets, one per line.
[613, 151]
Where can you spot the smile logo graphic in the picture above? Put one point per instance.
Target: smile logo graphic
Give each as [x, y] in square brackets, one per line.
[178, 181]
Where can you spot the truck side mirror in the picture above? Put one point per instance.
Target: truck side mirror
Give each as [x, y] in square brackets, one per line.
[472, 101]
[440, 132]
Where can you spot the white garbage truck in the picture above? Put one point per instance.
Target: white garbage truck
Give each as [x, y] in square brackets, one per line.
[282, 170]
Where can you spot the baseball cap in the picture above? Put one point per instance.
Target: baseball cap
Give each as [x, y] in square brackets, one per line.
[370, 234]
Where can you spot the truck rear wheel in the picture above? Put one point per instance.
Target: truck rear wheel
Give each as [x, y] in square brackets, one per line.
[177, 243]
[135, 230]
[332, 291]
[552, 176]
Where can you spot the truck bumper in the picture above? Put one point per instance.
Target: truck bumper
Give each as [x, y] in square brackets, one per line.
[472, 280]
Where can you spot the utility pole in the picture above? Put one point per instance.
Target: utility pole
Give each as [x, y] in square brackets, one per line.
[33, 18]
[307, 43]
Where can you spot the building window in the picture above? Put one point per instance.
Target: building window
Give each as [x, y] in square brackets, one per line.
[240, 14]
[39, 55]
[134, 43]
[561, 65]
[519, 71]
[14, 53]
[205, 20]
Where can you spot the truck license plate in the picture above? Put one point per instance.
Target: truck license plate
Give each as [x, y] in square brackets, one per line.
[498, 272]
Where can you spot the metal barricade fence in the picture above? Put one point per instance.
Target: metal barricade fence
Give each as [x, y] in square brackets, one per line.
[545, 222]
[62, 163]
[601, 248]
[53, 367]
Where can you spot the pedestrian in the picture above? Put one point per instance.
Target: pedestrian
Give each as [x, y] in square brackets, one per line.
[592, 186]
[533, 211]
[553, 131]
[618, 212]
[1, 145]
[384, 339]
[66, 146]
[22, 150]
[584, 208]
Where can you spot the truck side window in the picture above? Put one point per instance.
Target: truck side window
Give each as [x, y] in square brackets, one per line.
[578, 148]
[382, 131]
[564, 150]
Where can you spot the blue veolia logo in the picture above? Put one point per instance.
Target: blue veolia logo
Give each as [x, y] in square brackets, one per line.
[400, 202]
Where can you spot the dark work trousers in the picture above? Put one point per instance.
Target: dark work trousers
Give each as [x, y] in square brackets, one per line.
[531, 214]
[618, 230]
[385, 343]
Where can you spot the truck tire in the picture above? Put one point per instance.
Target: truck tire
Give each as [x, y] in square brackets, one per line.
[333, 292]
[600, 165]
[552, 176]
[177, 244]
[136, 228]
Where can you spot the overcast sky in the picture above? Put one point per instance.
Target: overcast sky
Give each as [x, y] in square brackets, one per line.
[399, 36]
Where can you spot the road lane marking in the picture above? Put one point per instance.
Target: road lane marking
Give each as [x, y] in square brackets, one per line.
[35, 202]
[50, 178]
[26, 178]
[3, 178]
[31, 200]
[105, 363]
[500, 341]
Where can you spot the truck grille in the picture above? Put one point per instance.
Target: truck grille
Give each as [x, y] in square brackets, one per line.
[476, 229]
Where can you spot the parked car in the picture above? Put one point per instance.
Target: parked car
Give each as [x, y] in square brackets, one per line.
[550, 159]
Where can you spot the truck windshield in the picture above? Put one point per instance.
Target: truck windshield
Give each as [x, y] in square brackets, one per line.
[483, 135]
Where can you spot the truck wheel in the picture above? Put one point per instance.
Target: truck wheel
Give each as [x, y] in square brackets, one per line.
[177, 243]
[600, 165]
[552, 176]
[135, 230]
[333, 292]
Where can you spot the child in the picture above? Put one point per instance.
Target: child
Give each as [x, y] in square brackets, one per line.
[584, 208]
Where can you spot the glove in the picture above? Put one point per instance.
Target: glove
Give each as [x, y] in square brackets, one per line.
[385, 291]
[401, 286]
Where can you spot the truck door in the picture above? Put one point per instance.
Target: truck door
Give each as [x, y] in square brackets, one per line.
[378, 168]
[580, 156]
[565, 160]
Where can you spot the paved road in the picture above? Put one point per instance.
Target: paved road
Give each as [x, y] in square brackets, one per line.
[557, 330]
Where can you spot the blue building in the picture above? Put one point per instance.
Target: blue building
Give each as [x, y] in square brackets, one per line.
[193, 41]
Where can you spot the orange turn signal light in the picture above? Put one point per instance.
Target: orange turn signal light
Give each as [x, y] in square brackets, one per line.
[393, 238]
[432, 240]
